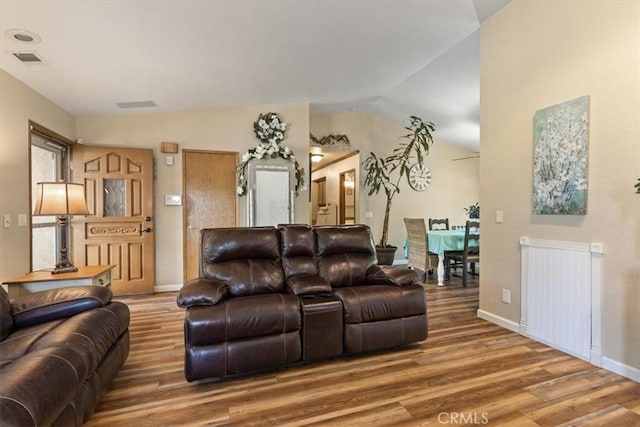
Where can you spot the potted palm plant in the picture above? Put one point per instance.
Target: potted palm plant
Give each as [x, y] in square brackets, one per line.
[385, 173]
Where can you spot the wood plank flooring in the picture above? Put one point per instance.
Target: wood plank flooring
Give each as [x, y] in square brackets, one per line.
[468, 372]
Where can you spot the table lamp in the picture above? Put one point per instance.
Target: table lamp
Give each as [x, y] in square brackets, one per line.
[63, 200]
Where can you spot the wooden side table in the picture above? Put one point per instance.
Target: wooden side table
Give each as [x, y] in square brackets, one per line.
[92, 275]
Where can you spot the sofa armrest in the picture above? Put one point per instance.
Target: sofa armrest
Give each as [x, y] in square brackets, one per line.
[306, 284]
[45, 306]
[202, 291]
[392, 275]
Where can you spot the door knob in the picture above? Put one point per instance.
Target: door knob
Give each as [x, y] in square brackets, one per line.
[147, 218]
[147, 230]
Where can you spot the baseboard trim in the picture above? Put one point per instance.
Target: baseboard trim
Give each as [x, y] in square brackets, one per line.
[500, 321]
[621, 369]
[167, 288]
[606, 363]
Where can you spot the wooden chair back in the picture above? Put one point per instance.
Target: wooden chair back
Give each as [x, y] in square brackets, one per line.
[472, 241]
[439, 221]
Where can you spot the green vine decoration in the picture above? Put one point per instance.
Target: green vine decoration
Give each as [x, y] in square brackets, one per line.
[330, 139]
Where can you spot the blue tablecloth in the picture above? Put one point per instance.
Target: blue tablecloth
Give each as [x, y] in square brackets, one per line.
[441, 241]
[445, 240]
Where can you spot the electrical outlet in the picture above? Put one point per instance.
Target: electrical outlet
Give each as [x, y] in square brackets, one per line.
[506, 296]
[368, 214]
[6, 221]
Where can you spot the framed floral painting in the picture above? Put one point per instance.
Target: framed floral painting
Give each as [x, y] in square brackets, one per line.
[560, 160]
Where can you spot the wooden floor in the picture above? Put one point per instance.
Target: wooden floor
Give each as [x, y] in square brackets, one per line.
[468, 372]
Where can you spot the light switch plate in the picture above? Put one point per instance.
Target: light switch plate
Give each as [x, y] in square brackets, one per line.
[499, 217]
[172, 199]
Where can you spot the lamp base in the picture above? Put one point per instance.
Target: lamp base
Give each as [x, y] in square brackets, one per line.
[66, 268]
[64, 265]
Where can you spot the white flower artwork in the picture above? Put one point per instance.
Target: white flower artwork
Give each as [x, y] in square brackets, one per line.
[561, 145]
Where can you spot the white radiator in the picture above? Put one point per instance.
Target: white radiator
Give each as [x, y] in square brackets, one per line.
[561, 283]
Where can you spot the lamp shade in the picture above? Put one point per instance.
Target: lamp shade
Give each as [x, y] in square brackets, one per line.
[60, 198]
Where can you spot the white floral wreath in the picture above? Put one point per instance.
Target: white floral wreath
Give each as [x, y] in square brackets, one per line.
[269, 129]
[270, 136]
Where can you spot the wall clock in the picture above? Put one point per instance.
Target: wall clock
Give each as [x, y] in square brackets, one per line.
[419, 177]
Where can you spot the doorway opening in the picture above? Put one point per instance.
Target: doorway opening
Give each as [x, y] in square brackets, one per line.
[318, 197]
[348, 197]
[335, 189]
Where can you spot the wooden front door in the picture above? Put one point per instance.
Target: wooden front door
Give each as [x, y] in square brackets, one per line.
[120, 228]
[210, 199]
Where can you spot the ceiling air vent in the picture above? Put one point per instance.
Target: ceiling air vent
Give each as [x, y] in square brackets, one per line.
[137, 104]
[28, 57]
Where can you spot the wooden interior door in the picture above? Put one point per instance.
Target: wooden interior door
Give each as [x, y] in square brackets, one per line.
[210, 199]
[120, 228]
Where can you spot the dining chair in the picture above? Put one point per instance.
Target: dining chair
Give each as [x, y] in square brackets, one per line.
[470, 254]
[419, 256]
[439, 221]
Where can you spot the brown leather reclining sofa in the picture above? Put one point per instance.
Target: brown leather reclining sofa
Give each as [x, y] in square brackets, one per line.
[59, 351]
[268, 297]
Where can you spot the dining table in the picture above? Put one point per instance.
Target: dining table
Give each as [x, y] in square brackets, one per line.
[439, 242]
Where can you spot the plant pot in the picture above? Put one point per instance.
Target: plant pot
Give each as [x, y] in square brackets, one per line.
[386, 254]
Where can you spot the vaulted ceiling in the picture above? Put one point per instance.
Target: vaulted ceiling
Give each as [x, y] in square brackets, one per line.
[391, 58]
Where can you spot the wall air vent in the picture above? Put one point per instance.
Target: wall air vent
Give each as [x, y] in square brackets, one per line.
[28, 57]
[137, 104]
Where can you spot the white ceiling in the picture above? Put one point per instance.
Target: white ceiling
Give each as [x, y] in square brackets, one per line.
[393, 58]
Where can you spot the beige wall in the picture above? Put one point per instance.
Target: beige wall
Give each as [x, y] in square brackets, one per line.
[455, 184]
[223, 129]
[19, 104]
[540, 53]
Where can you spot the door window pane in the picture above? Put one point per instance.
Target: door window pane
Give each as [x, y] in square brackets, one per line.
[114, 197]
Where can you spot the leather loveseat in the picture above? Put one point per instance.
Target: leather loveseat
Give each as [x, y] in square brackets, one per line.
[59, 351]
[268, 297]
